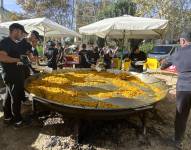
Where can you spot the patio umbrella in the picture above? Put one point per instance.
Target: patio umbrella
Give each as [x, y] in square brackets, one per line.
[126, 26]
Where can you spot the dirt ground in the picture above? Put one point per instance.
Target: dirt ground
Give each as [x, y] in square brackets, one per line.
[56, 133]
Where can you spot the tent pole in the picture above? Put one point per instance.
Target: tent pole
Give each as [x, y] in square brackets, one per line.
[106, 40]
[44, 42]
[124, 32]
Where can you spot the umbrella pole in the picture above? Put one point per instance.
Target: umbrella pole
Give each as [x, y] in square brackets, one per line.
[123, 47]
[106, 40]
[124, 39]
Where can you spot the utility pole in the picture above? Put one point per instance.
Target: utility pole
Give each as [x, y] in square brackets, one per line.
[75, 14]
[73, 11]
[1, 4]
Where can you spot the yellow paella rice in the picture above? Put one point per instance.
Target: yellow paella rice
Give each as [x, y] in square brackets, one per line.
[80, 87]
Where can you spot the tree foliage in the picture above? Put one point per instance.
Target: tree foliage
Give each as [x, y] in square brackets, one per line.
[60, 11]
[147, 47]
[65, 12]
[15, 16]
[86, 11]
[178, 12]
[117, 8]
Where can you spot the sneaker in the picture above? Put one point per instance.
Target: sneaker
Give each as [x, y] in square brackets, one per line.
[22, 124]
[8, 121]
[27, 103]
[178, 144]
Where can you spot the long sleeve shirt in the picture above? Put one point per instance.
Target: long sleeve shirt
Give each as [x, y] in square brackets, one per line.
[182, 60]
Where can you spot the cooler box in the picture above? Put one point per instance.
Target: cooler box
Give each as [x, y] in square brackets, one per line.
[152, 63]
[116, 63]
[126, 64]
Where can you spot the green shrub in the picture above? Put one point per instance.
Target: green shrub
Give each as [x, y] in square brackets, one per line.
[147, 47]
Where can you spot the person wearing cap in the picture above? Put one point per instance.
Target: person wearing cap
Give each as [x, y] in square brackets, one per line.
[181, 59]
[10, 54]
[26, 47]
[61, 53]
[34, 38]
[52, 55]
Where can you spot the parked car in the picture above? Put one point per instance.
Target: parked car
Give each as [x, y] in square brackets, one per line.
[162, 51]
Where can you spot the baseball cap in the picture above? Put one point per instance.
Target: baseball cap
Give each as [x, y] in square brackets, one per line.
[17, 26]
[36, 34]
[186, 35]
[52, 43]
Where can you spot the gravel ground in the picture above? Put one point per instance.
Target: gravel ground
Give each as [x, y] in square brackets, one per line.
[57, 133]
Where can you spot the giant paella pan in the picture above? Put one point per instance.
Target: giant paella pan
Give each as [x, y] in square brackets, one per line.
[86, 93]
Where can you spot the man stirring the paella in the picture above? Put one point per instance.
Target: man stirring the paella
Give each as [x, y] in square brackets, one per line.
[10, 54]
[181, 59]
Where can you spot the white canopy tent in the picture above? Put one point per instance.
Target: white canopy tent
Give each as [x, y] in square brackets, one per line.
[4, 32]
[44, 26]
[126, 27]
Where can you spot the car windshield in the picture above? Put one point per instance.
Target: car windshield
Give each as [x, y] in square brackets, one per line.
[162, 49]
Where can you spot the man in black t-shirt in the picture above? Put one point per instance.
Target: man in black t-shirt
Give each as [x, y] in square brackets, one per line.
[84, 57]
[51, 55]
[61, 54]
[94, 55]
[10, 53]
[25, 46]
[108, 58]
[137, 56]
